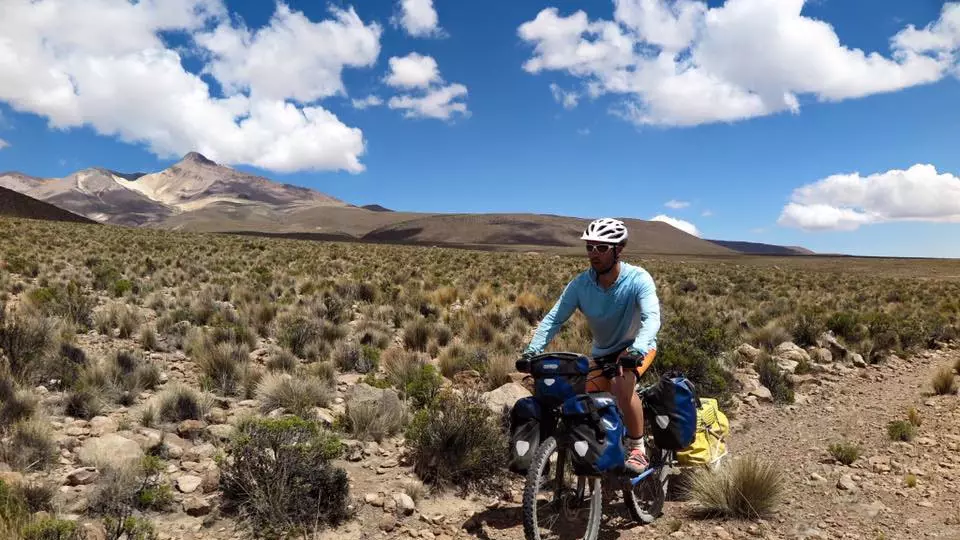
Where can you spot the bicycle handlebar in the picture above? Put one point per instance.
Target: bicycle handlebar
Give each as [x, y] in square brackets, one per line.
[523, 364]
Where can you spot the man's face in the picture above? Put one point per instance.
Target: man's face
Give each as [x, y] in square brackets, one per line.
[601, 255]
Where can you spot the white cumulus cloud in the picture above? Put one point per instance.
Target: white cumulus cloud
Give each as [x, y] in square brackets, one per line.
[681, 62]
[104, 64]
[684, 226]
[675, 204]
[419, 18]
[412, 71]
[847, 201]
[440, 103]
[369, 101]
[428, 94]
[3, 144]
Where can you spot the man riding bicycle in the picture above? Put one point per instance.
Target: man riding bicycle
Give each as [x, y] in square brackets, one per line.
[620, 303]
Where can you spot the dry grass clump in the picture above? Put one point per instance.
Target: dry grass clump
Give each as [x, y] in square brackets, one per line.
[296, 394]
[747, 488]
[180, 402]
[944, 382]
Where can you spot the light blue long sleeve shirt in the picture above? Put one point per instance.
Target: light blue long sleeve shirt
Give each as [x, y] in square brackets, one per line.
[625, 315]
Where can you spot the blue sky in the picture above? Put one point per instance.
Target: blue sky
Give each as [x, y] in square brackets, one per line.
[733, 148]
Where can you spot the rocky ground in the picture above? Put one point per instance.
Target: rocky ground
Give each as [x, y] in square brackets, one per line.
[840, 398]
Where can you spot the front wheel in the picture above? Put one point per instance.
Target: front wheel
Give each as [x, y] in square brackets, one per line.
[645, 499]
[557, 507]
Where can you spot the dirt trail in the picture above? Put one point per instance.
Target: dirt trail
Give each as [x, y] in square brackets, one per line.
[847, 404]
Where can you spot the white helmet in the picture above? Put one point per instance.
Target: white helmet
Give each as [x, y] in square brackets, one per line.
[608, 230]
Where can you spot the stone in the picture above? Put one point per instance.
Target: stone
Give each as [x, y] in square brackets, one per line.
[110, 449]
[326, 416]
[846, 483]
[857, 360]
[101, 425]
[505, 397]
[197, 506]
[221, 432]
[188, 483]
[748, 353]
[388, 523]
[82, 476]
[405, 503]
[763, 394]
[190, 429]
[821, 355]
[786, 365]
[791, 351]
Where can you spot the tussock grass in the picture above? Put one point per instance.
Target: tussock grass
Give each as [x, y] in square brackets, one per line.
[747, 487]
[944, 381]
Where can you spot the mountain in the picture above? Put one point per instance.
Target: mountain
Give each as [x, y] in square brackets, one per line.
[536, 230]
[137, 199]
[18, 205]
[757, 248]
[198, 194]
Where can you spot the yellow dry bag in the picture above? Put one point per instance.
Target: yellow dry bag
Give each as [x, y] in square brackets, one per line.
[709, 446]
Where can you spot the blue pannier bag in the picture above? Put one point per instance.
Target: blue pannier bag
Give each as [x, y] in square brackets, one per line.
[526, 428]
[558, 378]
[595, 429]
[671, 412]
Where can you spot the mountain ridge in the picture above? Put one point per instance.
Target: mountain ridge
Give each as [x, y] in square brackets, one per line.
[198, 194]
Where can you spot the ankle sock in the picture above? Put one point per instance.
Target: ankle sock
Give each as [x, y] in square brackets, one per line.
[635, 443]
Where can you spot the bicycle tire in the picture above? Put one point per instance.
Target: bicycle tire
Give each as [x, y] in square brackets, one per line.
[532, 486]
[655, 486]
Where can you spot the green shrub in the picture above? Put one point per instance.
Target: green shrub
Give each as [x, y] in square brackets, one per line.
[901, 430]
[694, 346]
[746, 488]
[774, 379]
[845, 452]
[458, 442]
[279, 478]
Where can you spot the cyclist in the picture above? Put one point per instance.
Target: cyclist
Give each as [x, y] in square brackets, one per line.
[623, 311]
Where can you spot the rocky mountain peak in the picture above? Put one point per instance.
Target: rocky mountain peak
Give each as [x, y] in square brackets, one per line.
[196, 158]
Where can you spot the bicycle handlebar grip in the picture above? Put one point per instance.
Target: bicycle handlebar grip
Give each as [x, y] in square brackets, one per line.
[523, 365]
[630, 361]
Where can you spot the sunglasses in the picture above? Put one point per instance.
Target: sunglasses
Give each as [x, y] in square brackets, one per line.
[599, 248]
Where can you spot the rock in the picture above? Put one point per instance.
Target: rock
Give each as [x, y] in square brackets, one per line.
[405, 503]
[786, 365]
[799, 380]
[821, 355]
[791, 351]
[748, 381]
[82, 476]
[872, 510]
[197, 506]
[846, 483]
[190, 429]
[325, 415]
[211, 480]
[748, 353]
[817, 478]
[188, 483]
[110, 449]
[388, 523]
[857, 360]
[763, 394]
[505, 397]
[101, 425]
[222, 432]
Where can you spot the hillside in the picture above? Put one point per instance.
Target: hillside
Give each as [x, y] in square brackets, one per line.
[14, 204]
[758, 248]
[200, 195]
[536, 230]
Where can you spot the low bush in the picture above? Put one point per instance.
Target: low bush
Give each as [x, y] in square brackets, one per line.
[458, 442]
[279, 479]
[747, 487]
